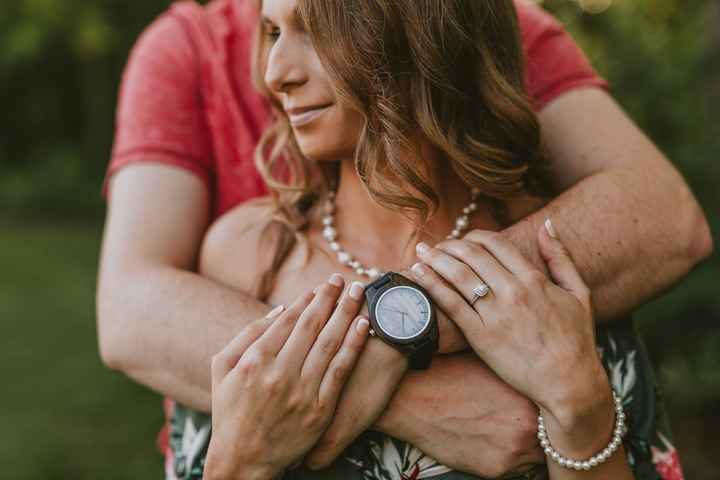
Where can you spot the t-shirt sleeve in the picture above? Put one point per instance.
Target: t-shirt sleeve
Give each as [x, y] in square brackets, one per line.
[159, 116]
[554, 62]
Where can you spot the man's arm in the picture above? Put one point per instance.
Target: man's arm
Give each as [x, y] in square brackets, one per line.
[158, 321]
[628, 218]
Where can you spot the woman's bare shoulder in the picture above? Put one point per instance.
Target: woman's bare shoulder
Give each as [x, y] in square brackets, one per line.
[238, 246]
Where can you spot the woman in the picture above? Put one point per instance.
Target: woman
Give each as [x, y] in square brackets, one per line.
[406, 149]
[275, 387]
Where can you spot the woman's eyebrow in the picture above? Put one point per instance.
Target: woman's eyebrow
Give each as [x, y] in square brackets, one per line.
[296, 17]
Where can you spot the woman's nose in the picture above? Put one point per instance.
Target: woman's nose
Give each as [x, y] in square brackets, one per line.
[284, 68]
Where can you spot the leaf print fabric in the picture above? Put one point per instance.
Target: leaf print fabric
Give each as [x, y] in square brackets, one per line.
[376, 456]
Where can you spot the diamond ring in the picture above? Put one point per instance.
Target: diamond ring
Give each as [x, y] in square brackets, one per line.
[479, 292]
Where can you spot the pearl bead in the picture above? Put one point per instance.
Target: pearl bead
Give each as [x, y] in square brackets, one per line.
[548, 450]
[555, 456]
[577, 465]
[593, 462]
[586, 465]
[330, 234]
[542, 435]
[544, 443]
[373, 272]
[562, 462]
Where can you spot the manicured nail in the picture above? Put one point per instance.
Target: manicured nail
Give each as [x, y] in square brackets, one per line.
[418, 269]
[362, 326]
[550, 228]
[275, 311]
[422, 248]
[356, 290]
[337, 280]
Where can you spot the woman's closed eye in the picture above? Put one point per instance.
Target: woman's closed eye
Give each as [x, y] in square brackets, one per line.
[272, 34]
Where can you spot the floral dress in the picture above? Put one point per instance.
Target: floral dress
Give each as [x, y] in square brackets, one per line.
[376, 456]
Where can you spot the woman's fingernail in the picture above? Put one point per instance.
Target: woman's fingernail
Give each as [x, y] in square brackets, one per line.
[356, 290]
[418, 269]
[422, 248]
[337, 280]
[275, 311]
[550, 228]
[362, 325]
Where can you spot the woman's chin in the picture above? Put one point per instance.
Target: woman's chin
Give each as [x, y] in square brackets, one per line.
[311, 149]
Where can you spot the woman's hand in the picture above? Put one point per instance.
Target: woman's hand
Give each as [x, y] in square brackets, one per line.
[536, 335]
[276, 385]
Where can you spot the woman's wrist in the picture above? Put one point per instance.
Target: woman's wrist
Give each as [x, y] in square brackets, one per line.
[581, 422]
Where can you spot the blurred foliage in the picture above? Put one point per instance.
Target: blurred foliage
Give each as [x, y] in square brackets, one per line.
[60, 66]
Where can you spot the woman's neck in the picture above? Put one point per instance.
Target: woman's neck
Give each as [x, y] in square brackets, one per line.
[381, 237]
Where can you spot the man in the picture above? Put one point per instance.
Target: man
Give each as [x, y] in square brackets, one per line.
[186, 103]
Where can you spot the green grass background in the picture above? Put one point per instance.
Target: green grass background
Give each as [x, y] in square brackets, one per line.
[64, 416]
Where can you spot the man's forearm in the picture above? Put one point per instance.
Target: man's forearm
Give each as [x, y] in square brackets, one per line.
[632, 233]
[169, 349]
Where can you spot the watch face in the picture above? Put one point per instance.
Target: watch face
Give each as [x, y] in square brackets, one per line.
[403, 312]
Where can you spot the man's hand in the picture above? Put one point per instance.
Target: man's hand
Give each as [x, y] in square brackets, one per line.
[460, 413]
[457, 411]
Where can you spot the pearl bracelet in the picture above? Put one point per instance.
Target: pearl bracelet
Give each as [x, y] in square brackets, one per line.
[595, 460]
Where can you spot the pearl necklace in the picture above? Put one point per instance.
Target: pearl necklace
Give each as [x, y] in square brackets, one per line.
[331, 235]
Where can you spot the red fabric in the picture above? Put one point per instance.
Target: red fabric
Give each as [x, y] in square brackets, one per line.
[186, 98]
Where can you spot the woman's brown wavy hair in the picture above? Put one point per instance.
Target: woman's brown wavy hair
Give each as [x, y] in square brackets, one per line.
[450, 71]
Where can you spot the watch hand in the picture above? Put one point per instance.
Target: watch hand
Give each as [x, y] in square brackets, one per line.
[393, 310]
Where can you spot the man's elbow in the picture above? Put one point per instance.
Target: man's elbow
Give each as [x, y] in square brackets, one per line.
[699, 237]
[111, 346]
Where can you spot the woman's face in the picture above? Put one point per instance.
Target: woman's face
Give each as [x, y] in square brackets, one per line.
[324, 130]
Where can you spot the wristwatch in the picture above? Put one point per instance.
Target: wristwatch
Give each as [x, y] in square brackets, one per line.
[402, 314]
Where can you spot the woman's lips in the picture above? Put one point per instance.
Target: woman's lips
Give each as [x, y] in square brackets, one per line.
[306, 117]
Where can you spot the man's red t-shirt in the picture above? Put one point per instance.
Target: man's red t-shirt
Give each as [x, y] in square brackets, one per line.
[186, 98]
